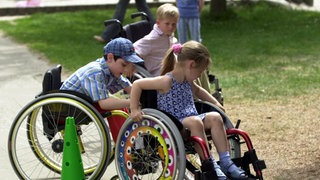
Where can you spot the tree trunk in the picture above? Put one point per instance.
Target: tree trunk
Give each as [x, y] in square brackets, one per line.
[218, 7]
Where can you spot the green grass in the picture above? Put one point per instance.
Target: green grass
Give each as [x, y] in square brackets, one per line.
[261, 52]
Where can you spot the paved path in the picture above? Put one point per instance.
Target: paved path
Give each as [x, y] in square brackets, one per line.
[21, 73]
[20, 77]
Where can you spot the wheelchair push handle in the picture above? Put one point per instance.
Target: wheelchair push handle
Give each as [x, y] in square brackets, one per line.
[143, 15]
[133, 15]
[112, 21]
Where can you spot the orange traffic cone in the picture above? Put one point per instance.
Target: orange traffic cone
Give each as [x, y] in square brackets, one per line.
[72, 167]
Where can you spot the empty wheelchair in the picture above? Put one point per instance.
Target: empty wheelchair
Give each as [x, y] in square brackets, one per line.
[36, 137]
[159, 147]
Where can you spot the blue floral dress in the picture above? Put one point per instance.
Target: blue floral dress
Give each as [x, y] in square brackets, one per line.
[178, 101]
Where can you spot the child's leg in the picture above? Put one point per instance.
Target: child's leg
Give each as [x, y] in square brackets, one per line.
[214, 122]
[196, 127]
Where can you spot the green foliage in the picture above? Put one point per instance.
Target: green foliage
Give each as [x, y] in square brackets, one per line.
[260, 52]
[264, 52]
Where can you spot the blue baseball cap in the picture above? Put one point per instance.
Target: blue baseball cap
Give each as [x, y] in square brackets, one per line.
[124, 48]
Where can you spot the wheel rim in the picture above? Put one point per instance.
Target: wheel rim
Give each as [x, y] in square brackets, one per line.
[171, 165]
[44, 159]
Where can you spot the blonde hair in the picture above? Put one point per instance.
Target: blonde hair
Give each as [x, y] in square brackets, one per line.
[167, 10]
[190, 50]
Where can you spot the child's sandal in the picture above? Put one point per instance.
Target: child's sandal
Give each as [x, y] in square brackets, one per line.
[237, 174]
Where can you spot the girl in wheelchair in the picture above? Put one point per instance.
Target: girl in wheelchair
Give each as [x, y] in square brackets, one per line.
[176, 88]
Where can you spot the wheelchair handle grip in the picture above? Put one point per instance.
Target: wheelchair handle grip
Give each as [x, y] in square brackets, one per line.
[112, 21]
[142, 14]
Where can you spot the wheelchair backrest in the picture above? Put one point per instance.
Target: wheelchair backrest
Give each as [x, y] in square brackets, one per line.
[137, 30]
[52, 79]
[148, 99]
[133, 31]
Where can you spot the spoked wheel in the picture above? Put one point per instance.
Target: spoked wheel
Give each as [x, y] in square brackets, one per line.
[150, 149]
[35, 143]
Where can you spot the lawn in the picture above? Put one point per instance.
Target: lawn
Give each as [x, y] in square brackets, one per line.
[260, 52]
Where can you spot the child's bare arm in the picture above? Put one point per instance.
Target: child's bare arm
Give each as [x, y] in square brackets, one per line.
[205, 96]
[155, 83]
[113, 103]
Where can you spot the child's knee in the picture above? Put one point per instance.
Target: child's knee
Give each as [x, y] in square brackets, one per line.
[193, 124]
[215, 118]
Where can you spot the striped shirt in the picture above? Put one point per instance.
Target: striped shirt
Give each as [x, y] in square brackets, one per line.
[95, 80]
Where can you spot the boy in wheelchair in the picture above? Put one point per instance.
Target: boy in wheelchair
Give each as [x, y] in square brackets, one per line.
[98, 78]
[175, 89]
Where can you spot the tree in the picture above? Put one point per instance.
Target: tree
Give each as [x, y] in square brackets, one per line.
[218, 7]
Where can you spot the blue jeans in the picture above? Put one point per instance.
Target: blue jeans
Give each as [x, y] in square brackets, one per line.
[186, 25]
[113, 30]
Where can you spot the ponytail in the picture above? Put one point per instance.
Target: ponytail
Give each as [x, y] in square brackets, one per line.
[189, 50]
[168, 62]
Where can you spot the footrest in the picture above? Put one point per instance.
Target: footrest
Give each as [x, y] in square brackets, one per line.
[261, 164]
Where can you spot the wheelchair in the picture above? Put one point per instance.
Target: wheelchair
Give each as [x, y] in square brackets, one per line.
[133, 31]
[36, 137]
[159, 147]
[156, 148]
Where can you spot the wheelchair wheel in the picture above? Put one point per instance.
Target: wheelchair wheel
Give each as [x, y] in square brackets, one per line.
[140, 73]
[35, 143]
[150, 149]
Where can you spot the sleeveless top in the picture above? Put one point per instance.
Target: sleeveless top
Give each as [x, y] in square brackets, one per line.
[178, 101]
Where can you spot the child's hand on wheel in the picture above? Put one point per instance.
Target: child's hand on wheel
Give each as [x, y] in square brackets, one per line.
[136, 115]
